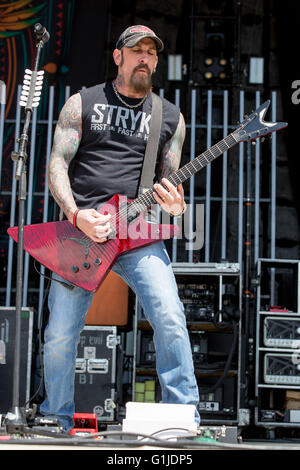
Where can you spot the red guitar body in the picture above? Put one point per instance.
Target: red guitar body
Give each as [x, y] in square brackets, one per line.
[72, 255]
[76, 258]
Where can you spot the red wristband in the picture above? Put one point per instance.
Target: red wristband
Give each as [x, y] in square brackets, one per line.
[75, 218]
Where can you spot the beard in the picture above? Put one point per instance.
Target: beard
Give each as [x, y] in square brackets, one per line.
[141, 83]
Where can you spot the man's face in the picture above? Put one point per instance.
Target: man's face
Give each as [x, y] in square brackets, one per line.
[137, 65]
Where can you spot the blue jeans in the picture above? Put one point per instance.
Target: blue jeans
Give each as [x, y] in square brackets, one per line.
[149, 274]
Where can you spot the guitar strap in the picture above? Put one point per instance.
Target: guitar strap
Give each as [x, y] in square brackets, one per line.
[148, 169]
[147, 175]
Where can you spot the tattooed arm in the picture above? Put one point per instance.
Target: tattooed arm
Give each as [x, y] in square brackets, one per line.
[66, 141]
[172, 198]
[171, 153]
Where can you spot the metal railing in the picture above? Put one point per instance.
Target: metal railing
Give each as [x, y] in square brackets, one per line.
[194, 126]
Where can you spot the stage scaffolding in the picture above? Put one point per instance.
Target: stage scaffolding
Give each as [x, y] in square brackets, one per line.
[248, 183]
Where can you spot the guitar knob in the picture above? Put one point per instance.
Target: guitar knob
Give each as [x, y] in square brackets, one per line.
[97, 262]
[86, 265]
[75, 269]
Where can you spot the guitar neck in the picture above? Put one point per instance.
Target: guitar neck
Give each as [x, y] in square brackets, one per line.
[187, 171]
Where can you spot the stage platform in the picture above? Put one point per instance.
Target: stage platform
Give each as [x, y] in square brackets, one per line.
[119, 447]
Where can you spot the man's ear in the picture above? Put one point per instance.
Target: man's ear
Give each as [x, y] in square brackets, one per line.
[117, 56]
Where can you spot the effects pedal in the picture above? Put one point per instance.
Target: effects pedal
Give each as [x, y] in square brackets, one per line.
[226, 434]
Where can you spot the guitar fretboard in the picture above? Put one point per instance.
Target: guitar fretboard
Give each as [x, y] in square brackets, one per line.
[142, 202]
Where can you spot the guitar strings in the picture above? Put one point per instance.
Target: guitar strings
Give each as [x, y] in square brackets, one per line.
[141, 203]
[202, 160]
[146, 198]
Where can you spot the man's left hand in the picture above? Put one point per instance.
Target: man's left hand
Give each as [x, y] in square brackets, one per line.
[170, 199]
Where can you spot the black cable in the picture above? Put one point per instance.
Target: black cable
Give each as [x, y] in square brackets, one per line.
[195, 444]
[228, 362]
[49, 278]
[40, 337]
[174, 429]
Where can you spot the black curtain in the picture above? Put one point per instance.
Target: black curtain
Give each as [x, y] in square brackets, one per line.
[288, 26]
[87, 58]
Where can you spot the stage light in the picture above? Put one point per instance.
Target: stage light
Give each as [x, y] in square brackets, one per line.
[208, 75]
[256, 70]
[208, 61]
[174, 67]
[218, 36]
[216, 68]
[2, 92]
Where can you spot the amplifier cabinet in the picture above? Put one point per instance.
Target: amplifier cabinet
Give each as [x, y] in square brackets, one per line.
[95, 377]
[211, 295]
[277, 342]
[7, 344]
[282, 368]
[282, 332]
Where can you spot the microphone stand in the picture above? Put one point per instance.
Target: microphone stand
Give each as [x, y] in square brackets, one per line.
[15, 419]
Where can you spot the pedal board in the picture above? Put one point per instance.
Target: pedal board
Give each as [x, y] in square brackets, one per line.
[43, 426]
[45, 422]
[225, 434]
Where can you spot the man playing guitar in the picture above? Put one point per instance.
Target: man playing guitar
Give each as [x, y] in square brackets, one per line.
[98, 151]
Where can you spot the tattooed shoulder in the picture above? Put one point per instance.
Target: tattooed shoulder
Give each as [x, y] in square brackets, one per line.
[68, 131]
[66, 141]
[71, 112]
[171, 154]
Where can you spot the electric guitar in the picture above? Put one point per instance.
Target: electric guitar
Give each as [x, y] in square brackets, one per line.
[75, 257]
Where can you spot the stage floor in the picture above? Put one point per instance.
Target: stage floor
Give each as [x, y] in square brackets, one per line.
[116, 446]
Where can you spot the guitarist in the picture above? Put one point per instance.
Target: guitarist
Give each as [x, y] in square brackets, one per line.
[98, 149]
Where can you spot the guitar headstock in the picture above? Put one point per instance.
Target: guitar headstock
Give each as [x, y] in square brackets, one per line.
[254, 126]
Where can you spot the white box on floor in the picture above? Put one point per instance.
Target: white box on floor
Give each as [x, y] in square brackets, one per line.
[163, 419]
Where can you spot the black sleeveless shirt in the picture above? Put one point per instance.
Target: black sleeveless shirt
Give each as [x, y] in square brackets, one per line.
[111, 152]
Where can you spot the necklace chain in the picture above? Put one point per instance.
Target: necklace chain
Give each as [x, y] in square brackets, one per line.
[124, 102]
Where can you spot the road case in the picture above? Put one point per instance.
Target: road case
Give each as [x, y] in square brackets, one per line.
[95, 378]
[7, 345]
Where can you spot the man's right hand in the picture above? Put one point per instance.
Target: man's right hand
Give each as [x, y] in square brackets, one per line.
[96, 226]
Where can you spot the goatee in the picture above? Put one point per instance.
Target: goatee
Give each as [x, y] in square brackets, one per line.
[141, 82]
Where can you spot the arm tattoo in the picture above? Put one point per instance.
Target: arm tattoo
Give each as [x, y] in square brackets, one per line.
[65, 145]
[171, 153]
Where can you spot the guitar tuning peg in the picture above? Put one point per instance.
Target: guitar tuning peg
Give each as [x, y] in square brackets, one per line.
[253, 142]
[262, 139]
[246, 116]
